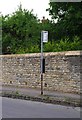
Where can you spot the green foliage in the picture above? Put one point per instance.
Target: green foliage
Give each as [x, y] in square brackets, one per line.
[34, 49]
[69, 19]
[76, 44]
[22, 30]
[49, 47]
[63, 45]
[0, 22]
[20, 51]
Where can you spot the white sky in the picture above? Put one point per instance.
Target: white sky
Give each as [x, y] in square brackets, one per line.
[39, 6]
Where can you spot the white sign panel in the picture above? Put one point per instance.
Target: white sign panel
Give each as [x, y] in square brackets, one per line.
[45, 36]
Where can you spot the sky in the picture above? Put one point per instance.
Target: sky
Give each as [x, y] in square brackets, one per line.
[39, 7]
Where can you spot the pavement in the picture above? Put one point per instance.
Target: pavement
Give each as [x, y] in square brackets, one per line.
[50, 96]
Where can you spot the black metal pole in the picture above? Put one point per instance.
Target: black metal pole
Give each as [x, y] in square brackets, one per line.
[41, 84]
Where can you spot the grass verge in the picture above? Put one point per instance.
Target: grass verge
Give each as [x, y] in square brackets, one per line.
[44, 98]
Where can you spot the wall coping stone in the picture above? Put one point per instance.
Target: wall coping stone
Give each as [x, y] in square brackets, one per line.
[66, 53]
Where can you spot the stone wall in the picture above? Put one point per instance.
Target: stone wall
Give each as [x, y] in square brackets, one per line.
[62, 70]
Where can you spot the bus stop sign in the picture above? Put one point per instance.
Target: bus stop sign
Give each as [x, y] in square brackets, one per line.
[45, 36]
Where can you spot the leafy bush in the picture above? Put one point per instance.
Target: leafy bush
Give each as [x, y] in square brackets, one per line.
[20, 51]
[34, 49]
[49, 47]
[63, 45]
[76, 44]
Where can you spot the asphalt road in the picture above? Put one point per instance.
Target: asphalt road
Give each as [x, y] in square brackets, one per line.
[15, 108]
[0, 108]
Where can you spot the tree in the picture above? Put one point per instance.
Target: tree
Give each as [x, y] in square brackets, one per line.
[20, 31]
[69, 18]
[0, 34]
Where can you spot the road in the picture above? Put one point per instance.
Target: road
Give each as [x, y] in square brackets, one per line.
[15, 108]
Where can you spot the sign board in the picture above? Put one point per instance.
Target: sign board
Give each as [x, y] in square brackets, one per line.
[45, 36]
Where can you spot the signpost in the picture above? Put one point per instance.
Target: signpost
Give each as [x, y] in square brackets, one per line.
[44, 38]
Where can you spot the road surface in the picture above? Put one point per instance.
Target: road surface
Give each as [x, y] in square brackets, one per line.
[15, 108]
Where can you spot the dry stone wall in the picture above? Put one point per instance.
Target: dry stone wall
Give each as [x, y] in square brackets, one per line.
[62, 70]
